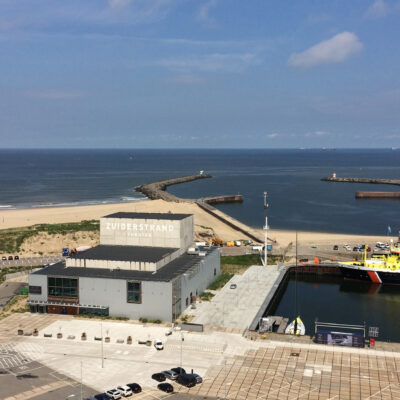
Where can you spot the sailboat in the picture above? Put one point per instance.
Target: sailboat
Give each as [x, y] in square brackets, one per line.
[296, 327]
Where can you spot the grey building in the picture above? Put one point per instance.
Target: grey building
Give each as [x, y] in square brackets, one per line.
[142, 268]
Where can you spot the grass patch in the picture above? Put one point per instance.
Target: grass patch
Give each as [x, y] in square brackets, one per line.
[206, 296]
[16, 305]
[220, 281]
[12, 239]
[246, 260]
[10, 270]
[151, 321]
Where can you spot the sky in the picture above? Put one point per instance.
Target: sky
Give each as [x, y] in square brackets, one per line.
[199, 73]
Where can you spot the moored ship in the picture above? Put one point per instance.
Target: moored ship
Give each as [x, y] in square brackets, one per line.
[380, 268]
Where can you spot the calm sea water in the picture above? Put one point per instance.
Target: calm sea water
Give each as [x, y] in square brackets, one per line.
[335, 300]
[297, 197]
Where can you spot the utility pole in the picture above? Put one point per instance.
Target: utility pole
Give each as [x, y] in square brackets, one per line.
[102, 346]
[81, 383]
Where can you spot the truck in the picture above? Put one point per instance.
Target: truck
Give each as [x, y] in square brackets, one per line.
[65, 252]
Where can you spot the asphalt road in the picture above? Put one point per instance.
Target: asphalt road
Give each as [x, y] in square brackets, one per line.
[31, 261]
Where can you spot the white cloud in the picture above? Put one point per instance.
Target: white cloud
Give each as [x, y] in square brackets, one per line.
[230, 62]
[321, 133]
[273, 135]
[203, 13]
[335, 50]
[377, 9]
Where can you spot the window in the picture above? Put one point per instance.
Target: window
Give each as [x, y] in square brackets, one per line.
[63, 287]
[35, 289]
[215, 271]
[134, 292]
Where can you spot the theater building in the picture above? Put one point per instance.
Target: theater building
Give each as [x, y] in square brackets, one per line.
[145, 266]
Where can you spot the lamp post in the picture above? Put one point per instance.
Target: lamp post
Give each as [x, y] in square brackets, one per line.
[181, 348]
[265, 241]
[102, 346]
[81, 383]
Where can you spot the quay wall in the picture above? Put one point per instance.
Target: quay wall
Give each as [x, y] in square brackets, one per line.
[377, 195]
[238, 198]
[363, 180]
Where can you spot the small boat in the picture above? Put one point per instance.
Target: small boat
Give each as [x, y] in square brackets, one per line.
[301, 329]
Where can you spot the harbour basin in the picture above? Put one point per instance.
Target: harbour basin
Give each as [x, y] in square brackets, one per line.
[330, 298]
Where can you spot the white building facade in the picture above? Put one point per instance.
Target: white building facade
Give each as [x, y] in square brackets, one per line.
[142, 268]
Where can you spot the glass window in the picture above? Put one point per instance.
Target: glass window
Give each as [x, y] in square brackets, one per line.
[63, 287]
[134, 292]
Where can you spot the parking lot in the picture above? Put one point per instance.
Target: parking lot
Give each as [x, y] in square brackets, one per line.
[230, 365]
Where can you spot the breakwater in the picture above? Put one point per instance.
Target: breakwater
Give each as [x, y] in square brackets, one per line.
[156, 190]
[378, 195]
[237, 198]
[363, 180]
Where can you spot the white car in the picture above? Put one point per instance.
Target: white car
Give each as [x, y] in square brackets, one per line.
[125, 391]
[113, 394]
[158, 344]
[347, 247]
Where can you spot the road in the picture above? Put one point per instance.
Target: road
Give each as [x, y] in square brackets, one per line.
[31, 261]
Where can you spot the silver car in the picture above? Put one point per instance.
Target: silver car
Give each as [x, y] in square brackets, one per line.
[170, 375]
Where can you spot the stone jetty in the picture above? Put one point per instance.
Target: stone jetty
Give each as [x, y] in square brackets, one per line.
[378, 195]
[363, 180]
[156, 190]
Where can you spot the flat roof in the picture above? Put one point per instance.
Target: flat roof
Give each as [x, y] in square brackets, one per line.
[141, 215]
[125, 253]
[165, 274]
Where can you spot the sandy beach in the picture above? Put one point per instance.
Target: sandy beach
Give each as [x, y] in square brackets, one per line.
[204, 222]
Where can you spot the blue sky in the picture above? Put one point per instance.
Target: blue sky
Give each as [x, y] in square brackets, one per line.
[199, 73]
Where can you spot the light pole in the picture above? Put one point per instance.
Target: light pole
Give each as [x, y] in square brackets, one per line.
[81, 383]
[102, 348]
[181, 348]
[265, 241]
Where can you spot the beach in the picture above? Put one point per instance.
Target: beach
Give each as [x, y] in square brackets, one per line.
[205, 224]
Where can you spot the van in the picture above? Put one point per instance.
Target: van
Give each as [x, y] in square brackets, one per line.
[188, 380]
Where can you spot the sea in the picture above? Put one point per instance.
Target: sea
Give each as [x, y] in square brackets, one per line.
[297, 198]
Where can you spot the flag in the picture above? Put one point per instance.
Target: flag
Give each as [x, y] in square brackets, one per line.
[389, 229]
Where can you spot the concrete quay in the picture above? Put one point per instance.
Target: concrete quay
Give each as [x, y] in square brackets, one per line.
[238, 308]
[377, 195]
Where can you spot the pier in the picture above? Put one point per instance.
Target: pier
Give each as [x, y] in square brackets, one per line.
[363, 180]
[378, 195]
[156, 190]
[237, 198]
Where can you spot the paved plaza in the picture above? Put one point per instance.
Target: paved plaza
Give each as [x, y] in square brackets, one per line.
[232, 366]
[225, 309]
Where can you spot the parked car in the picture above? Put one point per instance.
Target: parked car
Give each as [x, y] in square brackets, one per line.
[101, 396]
[199, 379]
[165, 387]
[16, 257]
[179, 370]
[135, 387]
[159, 377]
[188, 380]
[90, 398]
[10, 258]
[335, 247]
[158, 344]
[233, 286]
[170, 374]
[125, 390]
[4, 258]
[113, 394]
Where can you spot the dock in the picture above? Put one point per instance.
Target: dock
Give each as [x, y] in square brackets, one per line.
[237, 198]
[378, 195]
[363, 180]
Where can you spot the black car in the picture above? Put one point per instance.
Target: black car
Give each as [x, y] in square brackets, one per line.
[134, 387]
[188, 380]
[166, 387]
[159, 377]
[101, 396]
[179, 370]
[10, 258]
[16, 257]
[335, 247]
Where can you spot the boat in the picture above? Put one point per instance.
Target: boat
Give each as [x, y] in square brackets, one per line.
[300, 329]
[380, 268]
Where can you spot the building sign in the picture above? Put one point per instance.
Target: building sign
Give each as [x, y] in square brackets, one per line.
[139, 230]
[340, 338]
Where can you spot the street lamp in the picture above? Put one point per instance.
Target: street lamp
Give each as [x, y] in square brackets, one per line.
[102, 346]
[181, 347]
